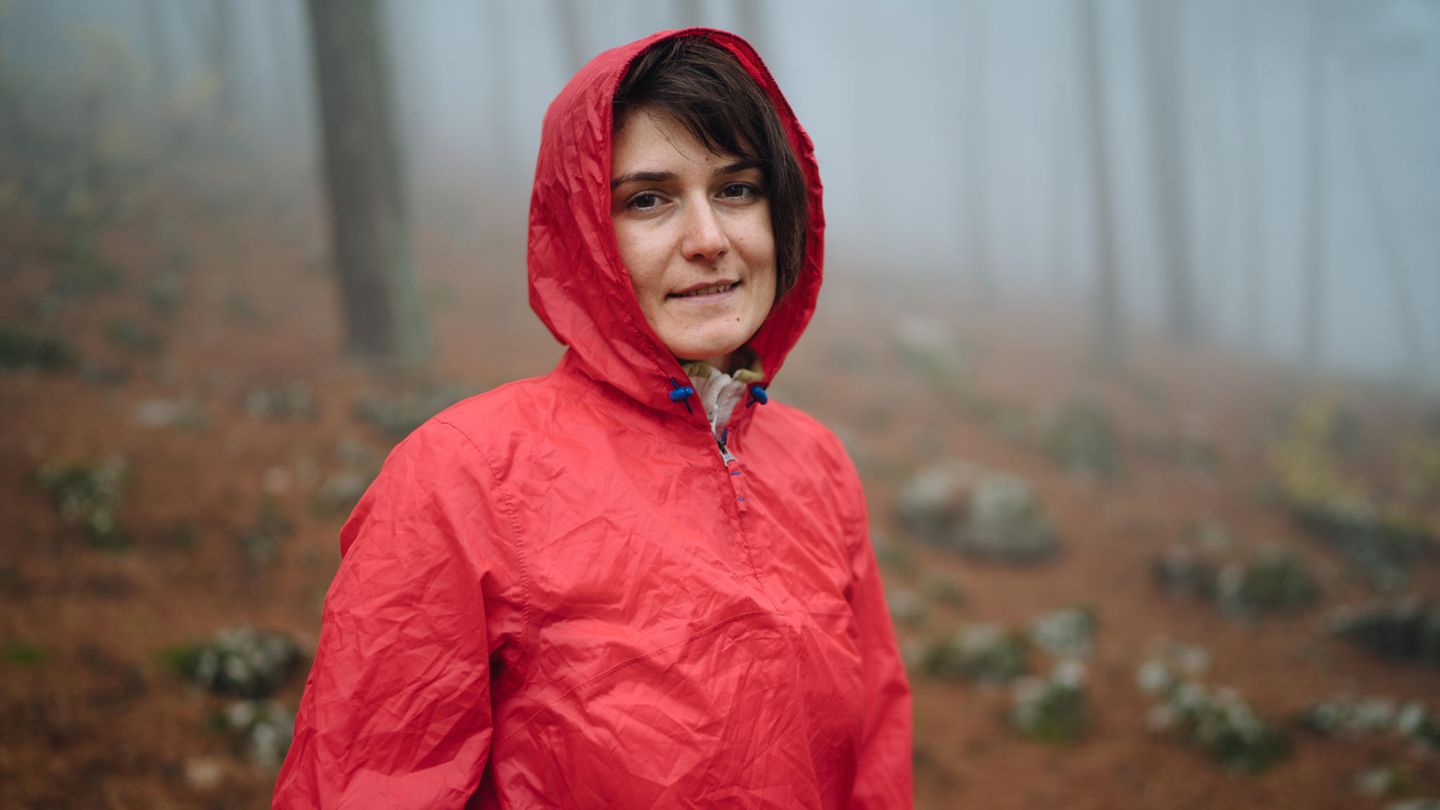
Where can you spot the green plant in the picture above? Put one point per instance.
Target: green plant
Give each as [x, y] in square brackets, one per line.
[260, 541]
[240, 661]
[1216, 719]
[23, 349]
[987, 653]
[1082, 438]
[1054, 709]
[131, 335]
[89, 495]
[19, 652]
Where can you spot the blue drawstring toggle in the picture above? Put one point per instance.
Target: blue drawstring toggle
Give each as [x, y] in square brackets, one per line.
[681, 393]
[757, 394]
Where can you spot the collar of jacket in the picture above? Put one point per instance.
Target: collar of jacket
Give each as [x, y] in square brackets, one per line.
[578, 283]
[720, 393]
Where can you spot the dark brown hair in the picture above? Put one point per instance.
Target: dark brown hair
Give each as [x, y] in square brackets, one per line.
[706, 89]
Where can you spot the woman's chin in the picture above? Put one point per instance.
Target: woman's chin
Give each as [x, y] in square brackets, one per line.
[716, 353]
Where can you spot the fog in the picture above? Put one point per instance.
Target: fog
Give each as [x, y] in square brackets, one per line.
[954, 139]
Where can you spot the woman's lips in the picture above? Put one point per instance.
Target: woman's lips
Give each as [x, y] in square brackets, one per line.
[705, 293]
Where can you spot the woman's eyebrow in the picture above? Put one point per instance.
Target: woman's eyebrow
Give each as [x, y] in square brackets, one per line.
[737, 167]
[641, 177]
[665, 177]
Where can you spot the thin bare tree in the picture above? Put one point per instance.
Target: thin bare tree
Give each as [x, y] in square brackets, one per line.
[1162, 44]
[368, 221]
[1313, 267]
[973, 60]
[1250, 208]
[1407, 323]
[572, 37]
[750, 16]
[1108, 312]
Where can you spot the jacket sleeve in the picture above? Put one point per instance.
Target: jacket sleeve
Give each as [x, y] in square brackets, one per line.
[396, 711]
[883, 776]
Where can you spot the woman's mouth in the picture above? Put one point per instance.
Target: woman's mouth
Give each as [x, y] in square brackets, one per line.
[716, 289]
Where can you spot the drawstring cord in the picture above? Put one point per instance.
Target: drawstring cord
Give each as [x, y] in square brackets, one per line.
[681, 393]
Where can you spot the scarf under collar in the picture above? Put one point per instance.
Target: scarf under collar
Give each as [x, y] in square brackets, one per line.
[720, 392]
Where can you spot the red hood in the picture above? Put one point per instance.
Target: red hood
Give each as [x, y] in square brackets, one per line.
[578, 283]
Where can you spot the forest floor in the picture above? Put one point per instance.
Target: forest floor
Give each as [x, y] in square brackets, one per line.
[210, 368]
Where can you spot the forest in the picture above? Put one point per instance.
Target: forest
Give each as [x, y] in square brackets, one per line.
[1131, 326]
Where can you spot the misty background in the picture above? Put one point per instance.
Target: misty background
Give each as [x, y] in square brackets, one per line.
[1283, 158]
[1129, 327]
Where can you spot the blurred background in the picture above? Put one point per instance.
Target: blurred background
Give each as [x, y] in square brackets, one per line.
[1129, 324]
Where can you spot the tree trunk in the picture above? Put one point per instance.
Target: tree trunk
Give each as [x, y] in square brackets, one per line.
[1406, 323]
[1108, 329]
[1164, 85]
[571, 36]
[162, 56]
[222, 54]
[689, 12]
[1313, 269]
[973, 121]
[288, 52]
[1251, 261]
[750, 17]
[369, 228]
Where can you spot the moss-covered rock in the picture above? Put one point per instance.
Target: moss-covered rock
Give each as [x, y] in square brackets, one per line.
[239, 661]
[261, 729]
[1383, 540]
[1054, 709]
[1067, 633]
[985, 653]
[1215, 719]
[23, 349]
[1276, 580]
[905, 606]
[1351, 716]
[133, 336]
[292, 400]
[1272, 580]
[260, 541]
[1383, 780]
[1407, 629]
[1082, 438]
[942, 589]
[89, 496]
[977, 513]
[935, 353]
[184, 413]
[1356, 716]
[1187, 571]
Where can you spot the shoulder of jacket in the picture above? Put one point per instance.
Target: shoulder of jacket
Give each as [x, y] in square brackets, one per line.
[509, 406]
[802, 427]
[493, 426]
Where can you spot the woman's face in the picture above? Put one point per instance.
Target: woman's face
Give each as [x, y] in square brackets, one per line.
[694, 232]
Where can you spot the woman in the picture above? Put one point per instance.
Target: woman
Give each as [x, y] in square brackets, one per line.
[631, 582]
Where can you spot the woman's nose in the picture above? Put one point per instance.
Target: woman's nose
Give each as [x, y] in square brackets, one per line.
[704, 238]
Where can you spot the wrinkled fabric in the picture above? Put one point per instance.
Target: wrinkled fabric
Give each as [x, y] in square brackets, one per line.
[558, 594]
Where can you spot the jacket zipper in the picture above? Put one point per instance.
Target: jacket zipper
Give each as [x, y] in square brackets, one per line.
[732, 472]
[725, 454]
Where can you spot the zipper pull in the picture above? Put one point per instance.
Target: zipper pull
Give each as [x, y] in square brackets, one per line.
[725, 454]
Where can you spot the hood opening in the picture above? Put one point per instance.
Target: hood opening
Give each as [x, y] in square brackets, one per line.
[578, 283]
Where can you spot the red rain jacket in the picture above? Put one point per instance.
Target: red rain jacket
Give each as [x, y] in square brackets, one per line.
[557, 594]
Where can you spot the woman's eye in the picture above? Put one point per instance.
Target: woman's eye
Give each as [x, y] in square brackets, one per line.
[739, 191]
[645, 201]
